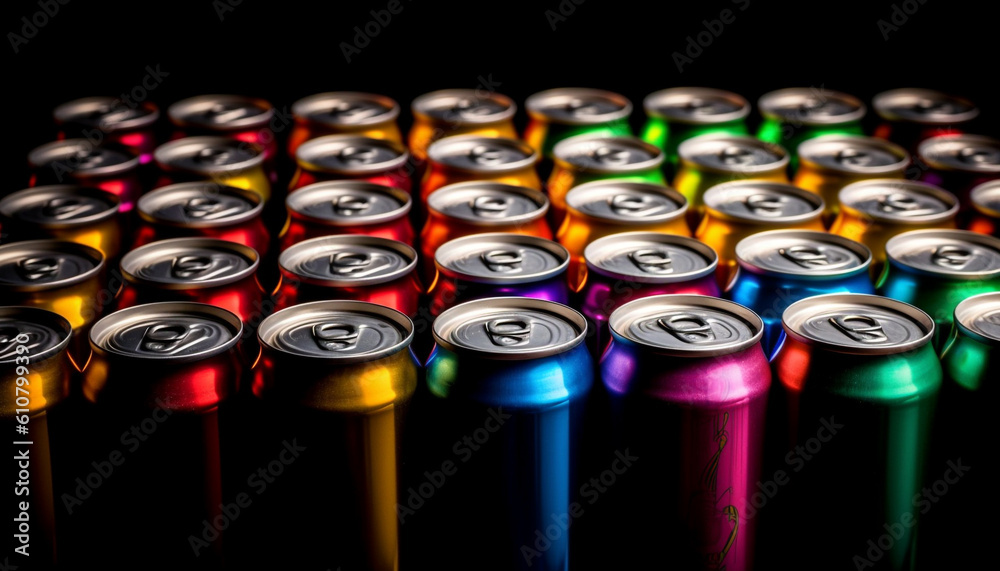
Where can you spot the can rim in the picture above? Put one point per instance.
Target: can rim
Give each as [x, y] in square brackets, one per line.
[7, 208]
[249, 195]
[239, 249]
[535, 196]
[655, 160]
[533, 104]
[340, 305]
[745, 314]
[403, 155]
[687, 157]
[811, 197]
[529, 160]
[107, 170]
[62, 114]
[650, 108]
[560, 310]
[927, 144]
[300, 113]
[892, 253]
[164, 159]
[42, 314]
[975, 196]
[690, 243]
[61, 246]
[405, 251]
[419, 106]
[911, 311]
[766, 105]
[177, 115]
[805, 158]
[550, 246]
[863, 252]
[398, 194]
[929, 189]
[968, 331]
[883, 107]
[671, 193]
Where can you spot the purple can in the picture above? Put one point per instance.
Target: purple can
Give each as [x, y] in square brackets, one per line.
[687, 381]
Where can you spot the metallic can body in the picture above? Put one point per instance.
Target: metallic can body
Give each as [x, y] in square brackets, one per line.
[351, 157]
[347, 207]
[694, 419]
[474, 158]
[985, 218]
[959, 163]
[449, 112]
[558, 114]
[795, 115]
[78, 161]
[910, 116]
[343, 113]
[223, 161]
[110, 120]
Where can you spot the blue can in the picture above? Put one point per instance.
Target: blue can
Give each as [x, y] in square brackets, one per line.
[780, 267]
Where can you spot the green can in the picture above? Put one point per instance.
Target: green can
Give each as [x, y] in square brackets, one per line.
[558, 114]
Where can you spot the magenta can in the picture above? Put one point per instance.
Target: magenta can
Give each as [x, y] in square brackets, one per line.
[687, 382]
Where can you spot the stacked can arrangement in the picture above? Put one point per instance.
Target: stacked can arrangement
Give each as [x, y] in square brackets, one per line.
[362, 350]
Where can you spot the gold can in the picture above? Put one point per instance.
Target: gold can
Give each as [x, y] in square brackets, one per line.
[449, 112]
[344, 113]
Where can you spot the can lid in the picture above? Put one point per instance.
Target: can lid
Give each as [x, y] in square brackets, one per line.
[39, 265]
[811, 106]
[108, 114]
[952, 253]
[924, 106]
[81, 158]
[48, 333]
[899, 201]
[802, 254]
[488, 203]
[201, 204]
[500, 258]
[475, 154]
[464, 106]
[59, 206]
[696, 105]
[687, 325]
[348, 260]
[177, 331]
[853, 155]
[650, 257]
[968, 153]
[189, 263]
[628, 202]
[985, 198]
[348, 203]
[346, 109]
[221, 112]
[341, 330]
[350, 155]
[607, 155]
[208, 155]
[979, 316]
[732, 154]
[510, 328]
[762, 202]
[858, 324]
[578, 106]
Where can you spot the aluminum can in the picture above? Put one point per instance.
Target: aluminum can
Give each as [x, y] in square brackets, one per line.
[798, 114]
[79, 162]
[959, 163]
[351, 157]
[226, 162]
[910, 116]
[103, 120]
[464, 158]
[558, 114]
[448, 112]
[343, 113]
[985, 218]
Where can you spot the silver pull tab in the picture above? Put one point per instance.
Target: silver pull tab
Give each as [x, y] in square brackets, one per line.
[736, 156]
[812, 106]
[65, 208]
[952, 257]
[508, 332]
[334, 336]
[225, 112]
[688, 327]
[88, 159]
[9, 343]
[486, 155]
[39, 268]
[902, 204]
[699, 106]
[611, 156]
[805, 256]
[930, 106]
[854, 158]
[348, 205]
[351, 111]
[861, 328]
[200, 268]
[353, 155]
[172, 338]
[636, 206]
[213, 156]
[467, 107]
[503, 261]
[350, 263]
[582, 108]
[199, 208]
[491, 206]
[652, 261]
[979, 156]
[766, 205]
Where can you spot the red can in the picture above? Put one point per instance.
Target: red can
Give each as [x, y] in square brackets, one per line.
[205, 209]
[103, 120]
[911, 116]
[343, 113]
[78, 161]
[347, 207]
[360, 268]
[351, 157]
[959, 163]
[986, 201]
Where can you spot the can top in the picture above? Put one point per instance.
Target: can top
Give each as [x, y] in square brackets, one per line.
[802, 254]
[500, 258]
[899, 201]
[946, 253]
[488, 203]
[80, 158]
[923, 106]
[985, 198]
[607, 155]
[40, 265]
[208, 155]
[350, 155]
[48, 333]
[852, 154]
[510, 328]
[729, 154]
[189, 263]
[696, 105]
[221, 112]
[59, 206]
[687, 325]
[341, 330]
[178, 331]
[627, 202]
[486, 155]
[811, 106]
[464, 106]
[348, 203]
[650, 257]
[201, 204]
[346, 109]
[108, 114]
[967, 153]
[858, 324]
[979, 316]
[578, 106]
[762, 202]
[348, 260]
